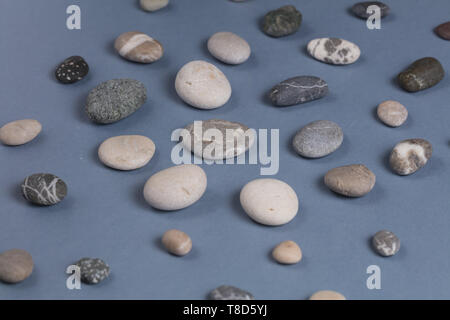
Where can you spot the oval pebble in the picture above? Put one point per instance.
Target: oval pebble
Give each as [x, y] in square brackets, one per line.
[138, 47]
[93, 270]
[202, 85]
[127, 152]
[360, 9]
[354, 180]
[421, 74]
[230, 293]
[72, 70]
[327, 295]
[229, 48]
[269, 201]
[19, 132]
[44, 189]
[410, 155]
[15, 266]
[153, 5]
[115, 100]
[298, 90]
[392, 113]
[318, 139]
[385, 243]
[443, 30]
[287, 252]
[282, 21]
[177, 242]
[175, 188]
[334, 51]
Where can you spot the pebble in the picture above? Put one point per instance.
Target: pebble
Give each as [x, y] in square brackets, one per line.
[44, 189]
[72, 70]
[93, 270]
[443, 30]
[175, 188]
[287, 252]
[202, 85]
[269, 201]
[327, 295]
[177, 242]
[421, 74]
[298, 90]
[282, 22]
[15, 266]
[392, 113]
[410, 155]
[229, 48]
[138, 47]
[19, 132]
[205, 145]
[127, 152]
[360, 9]
[318, 139]
[334, 51]
[115, 100]
[354, 180]
[230, 293]
[385, 243]
[153, 5]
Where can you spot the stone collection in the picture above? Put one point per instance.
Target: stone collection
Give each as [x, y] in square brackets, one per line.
[44, 189]
[327, 295]
[93, 270]
[177, 242]
[443, 30]
[385, 243]
[230, 293]
[72, 70]
[422, 74]
[298, 90]
[19, 132]
[287, 252]
[153, 5]
[138, 47]
[334, 51]
[229, 48]
[392, 113]
[410, 155]
[15, 266]
[282, 22]
[354, 180]
[360, 9]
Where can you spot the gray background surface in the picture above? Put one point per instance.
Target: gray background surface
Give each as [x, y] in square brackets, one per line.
[105, 214]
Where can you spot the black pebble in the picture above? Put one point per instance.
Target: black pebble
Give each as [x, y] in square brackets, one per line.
[72, 70]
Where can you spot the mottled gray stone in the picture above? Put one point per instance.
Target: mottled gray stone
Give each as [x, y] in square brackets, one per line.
[298, 90]
[354, 180]
[410, 155]
[93, 270]
[15, 266]
[443, 30]
[385, 243]
[230, 293]
[360, 9]
[318, 139]
[115, 100]
[282, 22]
[44, 189]
[421, 74]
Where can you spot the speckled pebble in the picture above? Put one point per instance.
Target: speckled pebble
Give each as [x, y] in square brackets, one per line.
[282, 22]
[392, 113]
[19, 132]
[44, 189]
[230, 293]
[385, 243]
[72, 70]
[410, 155]
[421, 74]
[15, 266]
[177, 242]
[354, 180]
[360, 9]
[327, 295]
[138, 47]
[93, 270]
[298, 90]
[287, 252]
[334, 51]
[229, 48]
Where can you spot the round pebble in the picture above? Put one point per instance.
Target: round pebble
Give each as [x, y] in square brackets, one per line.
[392, 113]
[360, 9]
[298, 90]
[72, 70]
[153, 5]
[354, 180]
[385, 243]
[287, 252]
[177, 242]
[175, 188]
[334, 51]
[138, 47]
[230, 293]
[282, 22]
[229, 48]
[269, 201]
[202, 85]
[19, 132]
[443, 30]
[15, 266]
[44, 189]
[126, 152]
[421, 74]
[327, 295]
[318, 139]
[93, 270]
[410, 155]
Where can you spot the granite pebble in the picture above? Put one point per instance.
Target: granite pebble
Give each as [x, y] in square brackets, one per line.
[282, 21]
[392, 113]
[177, 242]
[230, 293]
[287, 252]
[153, 5]
[44, 189]
[327, 295]
[421, 74]
[385, 243]
[15, 266]
[138, 47]
[19, 132]
[298, 90]
[334, 51]
[354, 180]
[443, 30]
[410, 155]
[229, 48]
[93, 270]
[72, 70]
[360, 9]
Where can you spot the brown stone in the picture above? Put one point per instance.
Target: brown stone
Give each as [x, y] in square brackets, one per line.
[15, 265]
[138, 47]
[443, 30]
[177, 242]
[392, 113]
[354, 180]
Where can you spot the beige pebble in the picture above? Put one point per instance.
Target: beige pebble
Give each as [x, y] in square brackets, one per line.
[153, 5]
[327, 295]
[392, 113]
[15, 265]
[355, 180]
[229, 47]
[287, 252]
[177, 242]
[19, 132]
[138, 47]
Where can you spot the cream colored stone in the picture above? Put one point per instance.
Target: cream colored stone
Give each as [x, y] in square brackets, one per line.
[392, 113]
[15, 266]
[327, 295]
[229, 48]
[19, 132]
[177, 242]
[153, 5]
[287, 252]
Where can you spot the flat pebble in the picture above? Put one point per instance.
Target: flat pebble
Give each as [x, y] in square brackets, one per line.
[202, 85]
[72, 70]
[229, 48]
[115, 100]
[138, 47]
[230, 293]
[287, 252]
[175, 188]
[318, 139]
[334, 51]
[410, 155]
[385, 243]
[360, 9]
[177, 242]
[354, 180]
[93, 270]
[269, 201]
[443, 30]
[15, 266]
[392, 113]
[153, 5]
[44, 189]
[327, 295]
[126, 152]
[282, 22]
[298, 90]
[421, 74]
[19, 132]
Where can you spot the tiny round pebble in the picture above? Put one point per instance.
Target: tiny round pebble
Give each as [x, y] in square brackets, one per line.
[354, 180]
[327, 295]
[72, 70]
[19, 132]
[230, 293]
[287, 252]
[138, 47]
[410, 155]
[44, 189]
[282, 21]
[153, 5]
[93, 270]
[392, 113]
[15, 266]
[386, 243]
[229, 48]
[177, 242]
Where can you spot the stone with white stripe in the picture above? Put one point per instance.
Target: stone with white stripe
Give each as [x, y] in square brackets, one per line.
[385, 243]
[410, 155]
[298, 90]
[138, 47]
[44, 189]
[334, 51]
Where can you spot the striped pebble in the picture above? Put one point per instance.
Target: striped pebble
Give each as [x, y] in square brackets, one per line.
[138, 47]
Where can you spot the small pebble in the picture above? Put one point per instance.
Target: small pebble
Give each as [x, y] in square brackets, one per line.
[269, 201]
[443, 30]
[44, 189]
[230, 293]
[177, 242]
[15, 266]
[19, 132]
[138, 47]
[93, 270]
[298, 90]
[385, 243]
[334, 51]
[410, 155]
[422, 74]
[282, 22]
[360, 9]
[153, 5]
[202, 85]
[354, 180]
[327, 295]
[318, 139]
[287, 252]
[392, 113]
[229, 48]
[72, 70]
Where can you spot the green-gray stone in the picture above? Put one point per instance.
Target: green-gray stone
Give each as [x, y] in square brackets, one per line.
[282, 22]
[422, 74]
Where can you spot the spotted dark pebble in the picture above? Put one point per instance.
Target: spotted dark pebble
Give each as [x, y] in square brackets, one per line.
[360, 9]
[385, 243]
[230, 293]
[72, 70]
[93, 270]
